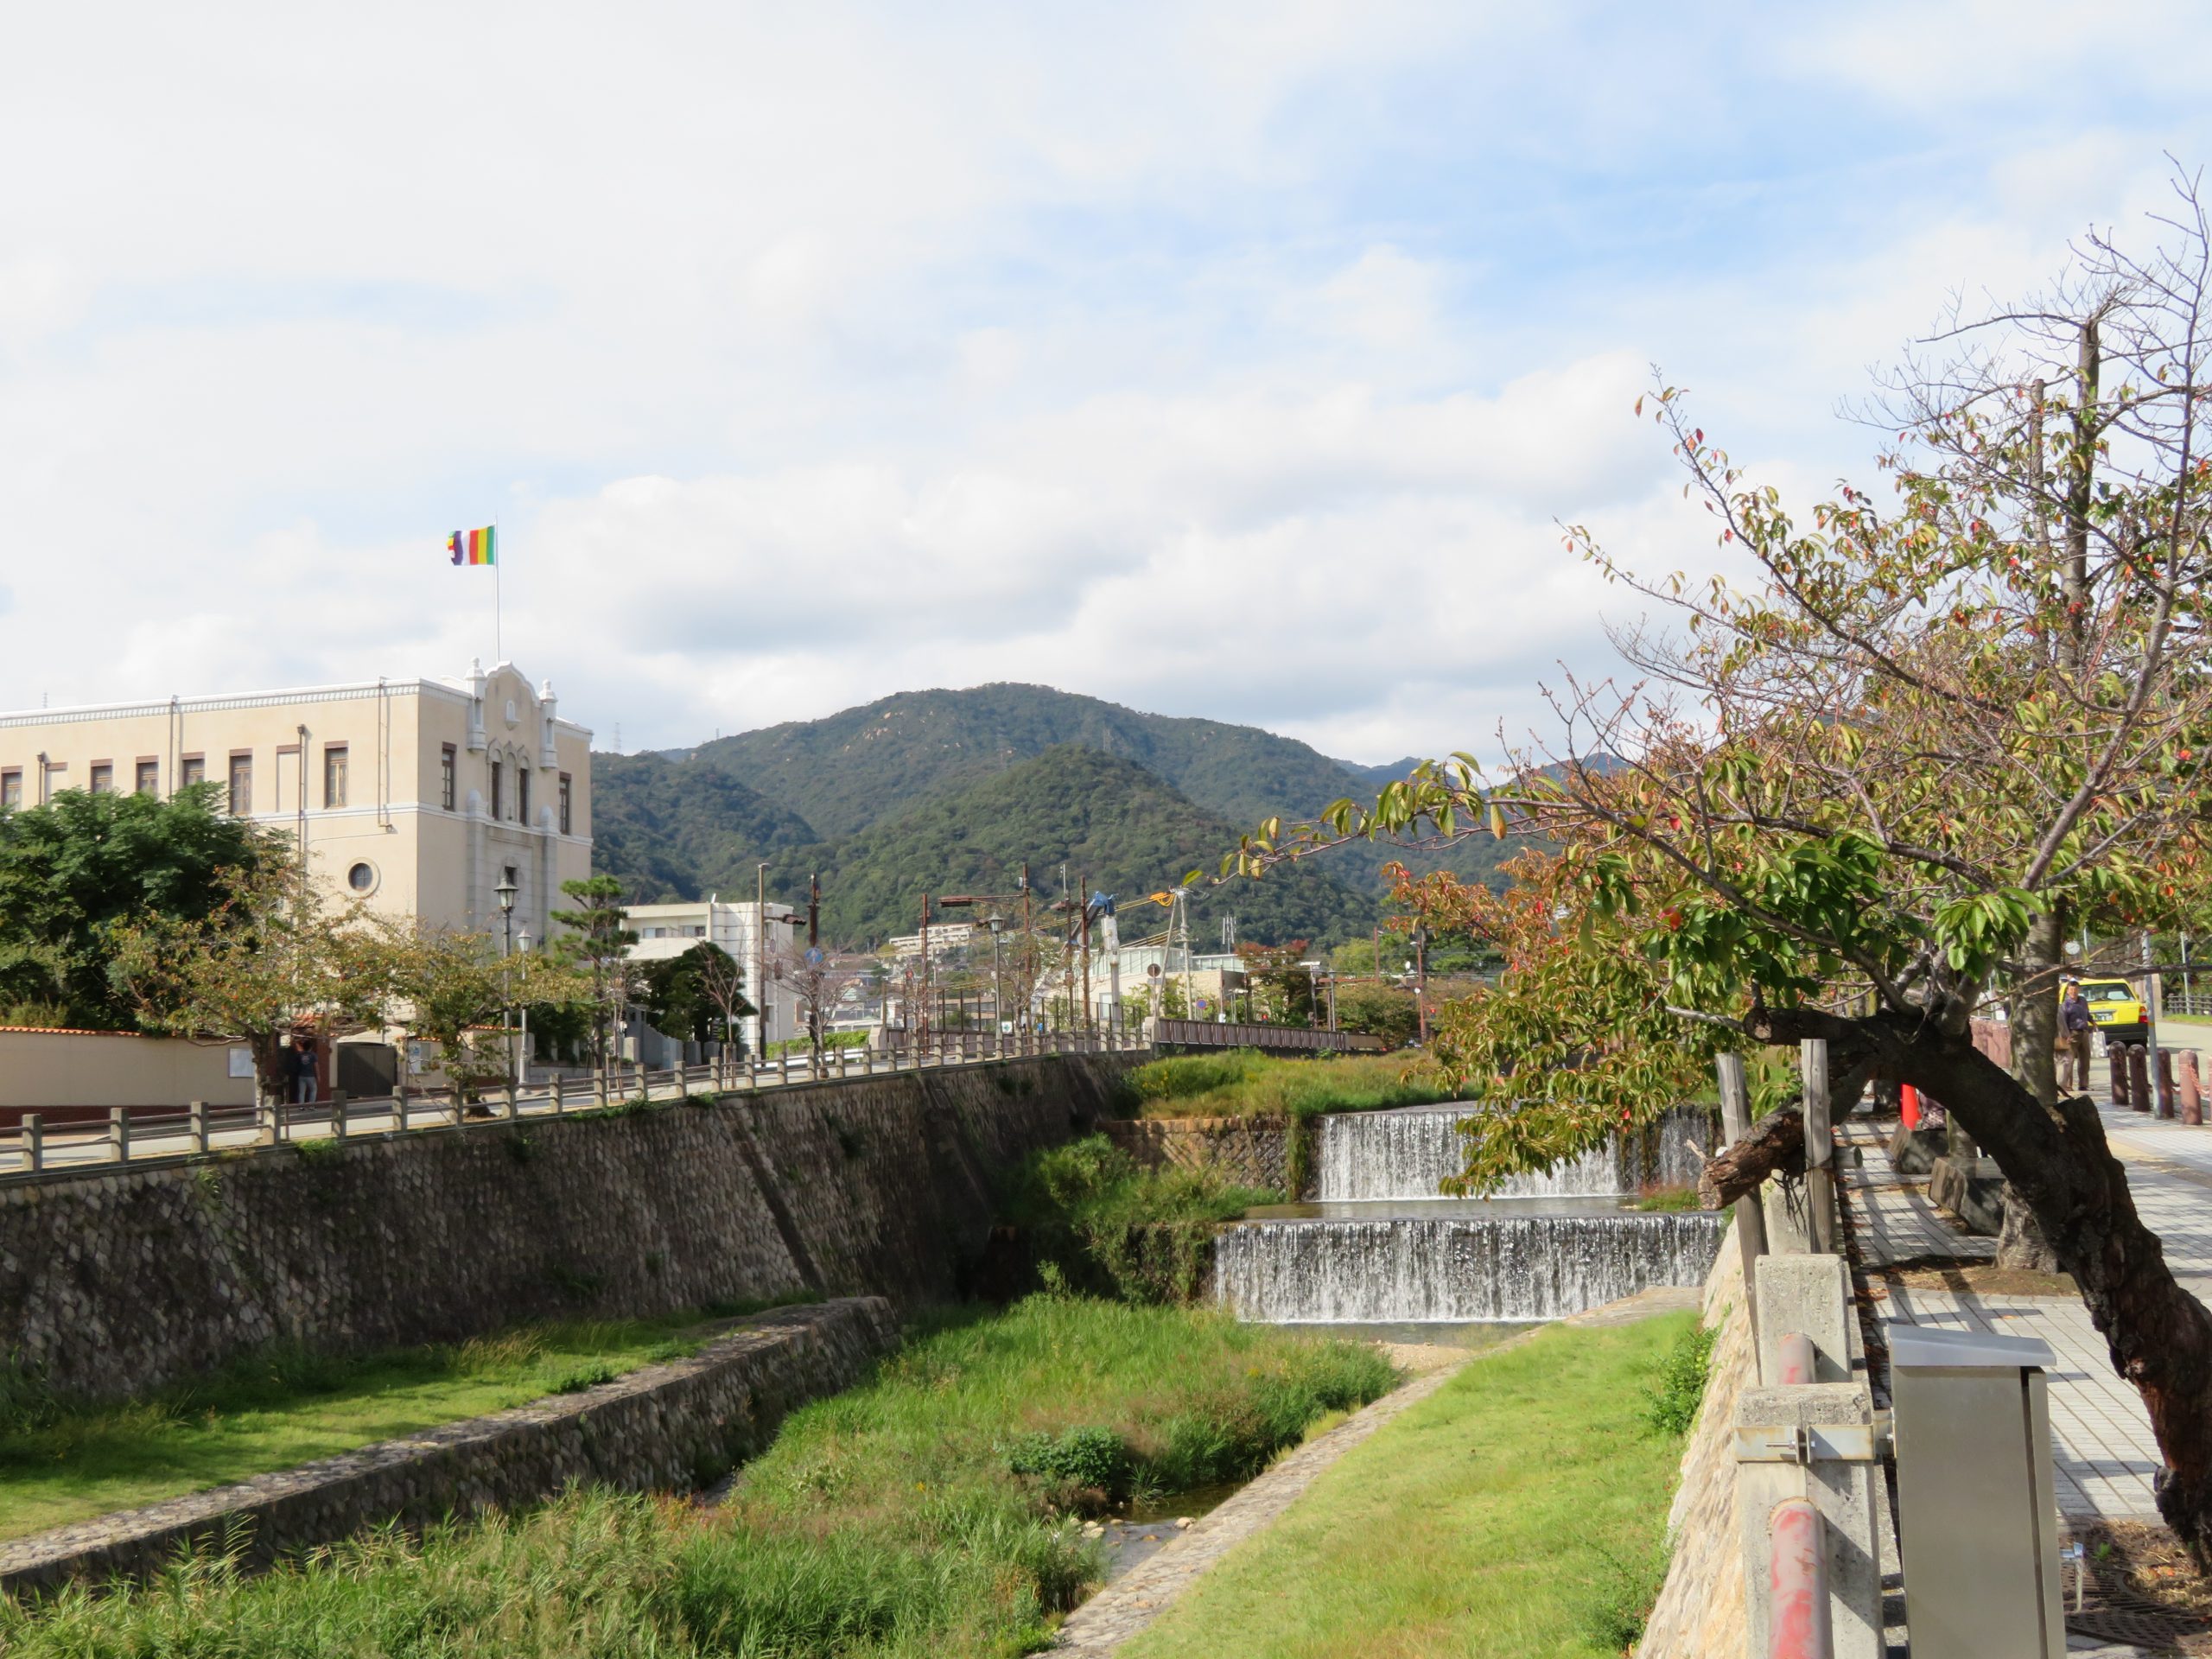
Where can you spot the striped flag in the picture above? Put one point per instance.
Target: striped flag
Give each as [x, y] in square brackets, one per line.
[473, 546]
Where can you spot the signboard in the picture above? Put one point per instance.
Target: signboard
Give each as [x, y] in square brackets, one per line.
[814, 956]
[241, 1062]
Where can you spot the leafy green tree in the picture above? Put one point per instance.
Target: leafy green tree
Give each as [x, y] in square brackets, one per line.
[72, 870]
[597, 945]
[268, 961]
[1384, 1011]
[694, 997]
[1865, 794]
[441, 986]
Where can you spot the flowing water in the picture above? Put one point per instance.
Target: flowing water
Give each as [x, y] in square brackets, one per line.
[1367, 1157]
[1473, 1267]
[1380, 1246]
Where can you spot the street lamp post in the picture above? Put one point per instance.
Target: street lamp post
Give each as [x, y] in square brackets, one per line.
[505, 892]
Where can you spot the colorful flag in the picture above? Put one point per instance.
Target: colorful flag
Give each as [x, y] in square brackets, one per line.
[472, 546]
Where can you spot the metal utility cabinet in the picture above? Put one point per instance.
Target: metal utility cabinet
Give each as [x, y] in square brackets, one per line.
[1977, 1510]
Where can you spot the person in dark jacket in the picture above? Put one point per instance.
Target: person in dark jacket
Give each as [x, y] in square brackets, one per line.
[2073, 1033]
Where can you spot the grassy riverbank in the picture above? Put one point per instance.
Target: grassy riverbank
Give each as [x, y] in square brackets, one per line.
[1243, 1083]
[930, 1512]
[1517, 1514]
[1090, 1218]
[62, 1462]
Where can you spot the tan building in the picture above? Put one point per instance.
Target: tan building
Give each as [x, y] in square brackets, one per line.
[416, 796]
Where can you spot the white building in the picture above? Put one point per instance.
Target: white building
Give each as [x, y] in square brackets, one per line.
[666, 930]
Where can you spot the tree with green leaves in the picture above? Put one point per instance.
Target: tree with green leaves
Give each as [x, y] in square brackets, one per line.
[696, 997]
[73, 869]
[1863, 793]
[438, 987]
[272, 960]
[597, 946]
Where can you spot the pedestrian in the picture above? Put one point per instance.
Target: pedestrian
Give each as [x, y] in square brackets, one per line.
[2074, 1029]
[303, 1056]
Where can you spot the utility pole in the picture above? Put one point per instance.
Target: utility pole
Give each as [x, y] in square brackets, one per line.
[1083, 921]
[814, 965]
[922, 1035]
[1420, 979]
[761, 963]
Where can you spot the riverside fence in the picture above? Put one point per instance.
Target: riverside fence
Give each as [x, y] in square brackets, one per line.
[38, 1150]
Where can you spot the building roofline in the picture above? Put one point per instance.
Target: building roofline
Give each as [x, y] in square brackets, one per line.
[353, 691]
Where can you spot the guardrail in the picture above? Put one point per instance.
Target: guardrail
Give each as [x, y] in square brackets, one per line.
[38, 1149]
[1208, 1034]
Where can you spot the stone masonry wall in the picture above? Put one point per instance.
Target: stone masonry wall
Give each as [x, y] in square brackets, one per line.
[663, 1428]
[1701, 1612]
[1249, 1151]
[114, 1283]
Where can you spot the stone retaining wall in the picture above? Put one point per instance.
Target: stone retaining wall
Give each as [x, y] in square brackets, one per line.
[115, 1282]
[1701, 1612]
[665, 1426]
[1249, 1151]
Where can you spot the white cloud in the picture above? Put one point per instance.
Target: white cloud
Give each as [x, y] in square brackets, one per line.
[1220, 359]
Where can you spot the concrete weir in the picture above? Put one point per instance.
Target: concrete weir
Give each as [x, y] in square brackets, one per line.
[1381, 1246]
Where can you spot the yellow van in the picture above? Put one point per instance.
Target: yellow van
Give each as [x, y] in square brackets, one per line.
[2115, 1010]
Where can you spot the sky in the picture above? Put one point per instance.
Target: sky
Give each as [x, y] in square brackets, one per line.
[1228, 359]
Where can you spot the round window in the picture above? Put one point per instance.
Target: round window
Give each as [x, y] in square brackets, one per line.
[361, 877]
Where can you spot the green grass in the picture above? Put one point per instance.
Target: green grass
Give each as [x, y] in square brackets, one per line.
[1668, 1199]
[1091, 1218]
[62, 1462]
[1517, 1514]
[1243, 1083]
[888, 1521]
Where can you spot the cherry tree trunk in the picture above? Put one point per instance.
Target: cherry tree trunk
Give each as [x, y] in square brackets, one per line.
[2158, 1336]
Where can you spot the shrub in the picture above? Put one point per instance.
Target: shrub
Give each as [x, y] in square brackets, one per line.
[1671, 1402]
[1082, 1457]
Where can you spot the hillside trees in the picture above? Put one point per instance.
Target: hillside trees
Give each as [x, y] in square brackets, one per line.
[597, 948]
[1874, 784]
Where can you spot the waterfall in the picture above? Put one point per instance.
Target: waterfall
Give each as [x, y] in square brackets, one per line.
[1458, 1269]
[1370, 1157]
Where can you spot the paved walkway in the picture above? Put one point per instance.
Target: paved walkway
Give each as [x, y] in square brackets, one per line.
[2104, 1454]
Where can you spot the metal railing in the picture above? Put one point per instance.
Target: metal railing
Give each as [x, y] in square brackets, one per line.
[40, 1148]
[1208, 1033]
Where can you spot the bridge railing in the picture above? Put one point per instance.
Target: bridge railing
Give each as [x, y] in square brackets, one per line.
[1209, 1033]
[45, 1147]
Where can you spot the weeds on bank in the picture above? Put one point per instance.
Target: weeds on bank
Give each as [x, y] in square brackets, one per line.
[1243, 1083]
[918, 1514]
[1672, 1398]
[64, 1460]
[1092, 1219]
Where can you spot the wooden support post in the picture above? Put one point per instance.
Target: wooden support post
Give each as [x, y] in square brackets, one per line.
[1820, 1146]
[1750, 1218]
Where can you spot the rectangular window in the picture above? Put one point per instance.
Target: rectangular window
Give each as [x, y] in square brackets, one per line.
[102, 777]
[241, 786]
[194, 770]
[150, 776]
[334, 776]
[565, 804]
[12, 789]
[445, 770]
[522, 794]
[498, 786]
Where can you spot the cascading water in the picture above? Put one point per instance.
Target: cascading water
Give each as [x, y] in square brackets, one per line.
[1485, 1268]
[1514, 1256]
[1377, 1157]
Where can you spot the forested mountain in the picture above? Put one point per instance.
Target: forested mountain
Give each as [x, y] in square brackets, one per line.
[1114, 825]
[970, 783]
[853, 769]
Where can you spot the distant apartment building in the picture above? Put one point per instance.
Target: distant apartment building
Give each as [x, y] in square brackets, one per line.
[666, 930]
[946, 939]
[419, 796]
